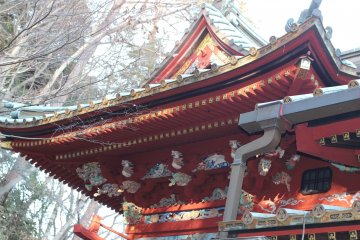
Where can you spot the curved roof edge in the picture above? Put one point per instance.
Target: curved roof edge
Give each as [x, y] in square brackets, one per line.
[334, 64]
[235, 36]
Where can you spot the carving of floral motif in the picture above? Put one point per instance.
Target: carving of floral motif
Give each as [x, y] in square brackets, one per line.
[130, 186]
[179, 179]
[212, 161]
[177, 161]
[183, 216]
[158, 171]
[132, 213]
[282, 178]
[112, 190]
[264, 166]
[91, 172]
[217, 194]
[128, 170]
[166, 202]
[336, 197]
[279, 153]
[291, 162]
[234, 145]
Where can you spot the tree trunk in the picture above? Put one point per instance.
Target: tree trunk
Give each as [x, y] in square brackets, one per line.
[20, 169]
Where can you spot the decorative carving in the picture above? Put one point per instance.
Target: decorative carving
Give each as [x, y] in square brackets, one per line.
[166, 202]
[158, 171]
[290, 201]
[282, 178]
[234, 145]
[279, 153]
[252, 51]
[217, 194]
[292, 161]
[336, 197]
[127, 168]
[212, 161]
[179, 179]
[332, 236]
[355, 197]
[288, 24]
[130, 186]
[246, 202]
[356, 206]
[281, 215]
[264, 166]
[112, 190]
[344, 168]
[267, 206]
[91, 172]
[177, 162]
[247, 218]
[272, 40]
[132, 213]
[294, 27]
[318, 211]
[183, 216]
[329, 32]
[353, 235]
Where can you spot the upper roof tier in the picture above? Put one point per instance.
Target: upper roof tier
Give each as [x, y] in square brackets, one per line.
[221, 66]
[208, 35]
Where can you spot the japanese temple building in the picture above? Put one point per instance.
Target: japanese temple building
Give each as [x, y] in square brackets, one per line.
[231, 137]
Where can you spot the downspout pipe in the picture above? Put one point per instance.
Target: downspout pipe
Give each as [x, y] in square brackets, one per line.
[272, 117]
[273, 128]
[265, 143]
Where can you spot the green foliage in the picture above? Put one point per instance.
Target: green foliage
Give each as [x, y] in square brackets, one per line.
[15, 221]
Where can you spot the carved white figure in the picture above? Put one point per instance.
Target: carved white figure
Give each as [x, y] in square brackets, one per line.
[177, 162]
[179, 179]
[264, 166]
[234, 144]
[212, 161]
[291, 162]
[112, 190]
[128, 170]
[165, 202]
[91, 173]
[246, 202]
[282, 178]
[216, 160]
[130, 186]
[158, 171]
[217, 194]
[279, 152]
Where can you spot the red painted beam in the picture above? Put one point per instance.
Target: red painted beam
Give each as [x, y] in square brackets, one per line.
[85, 234]
[307, 139]
[299, 231]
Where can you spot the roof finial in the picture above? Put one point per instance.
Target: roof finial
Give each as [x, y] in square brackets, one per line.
[223, 5]
[313, 10]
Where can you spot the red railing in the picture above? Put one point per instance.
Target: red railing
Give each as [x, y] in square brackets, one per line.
[92, 232]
